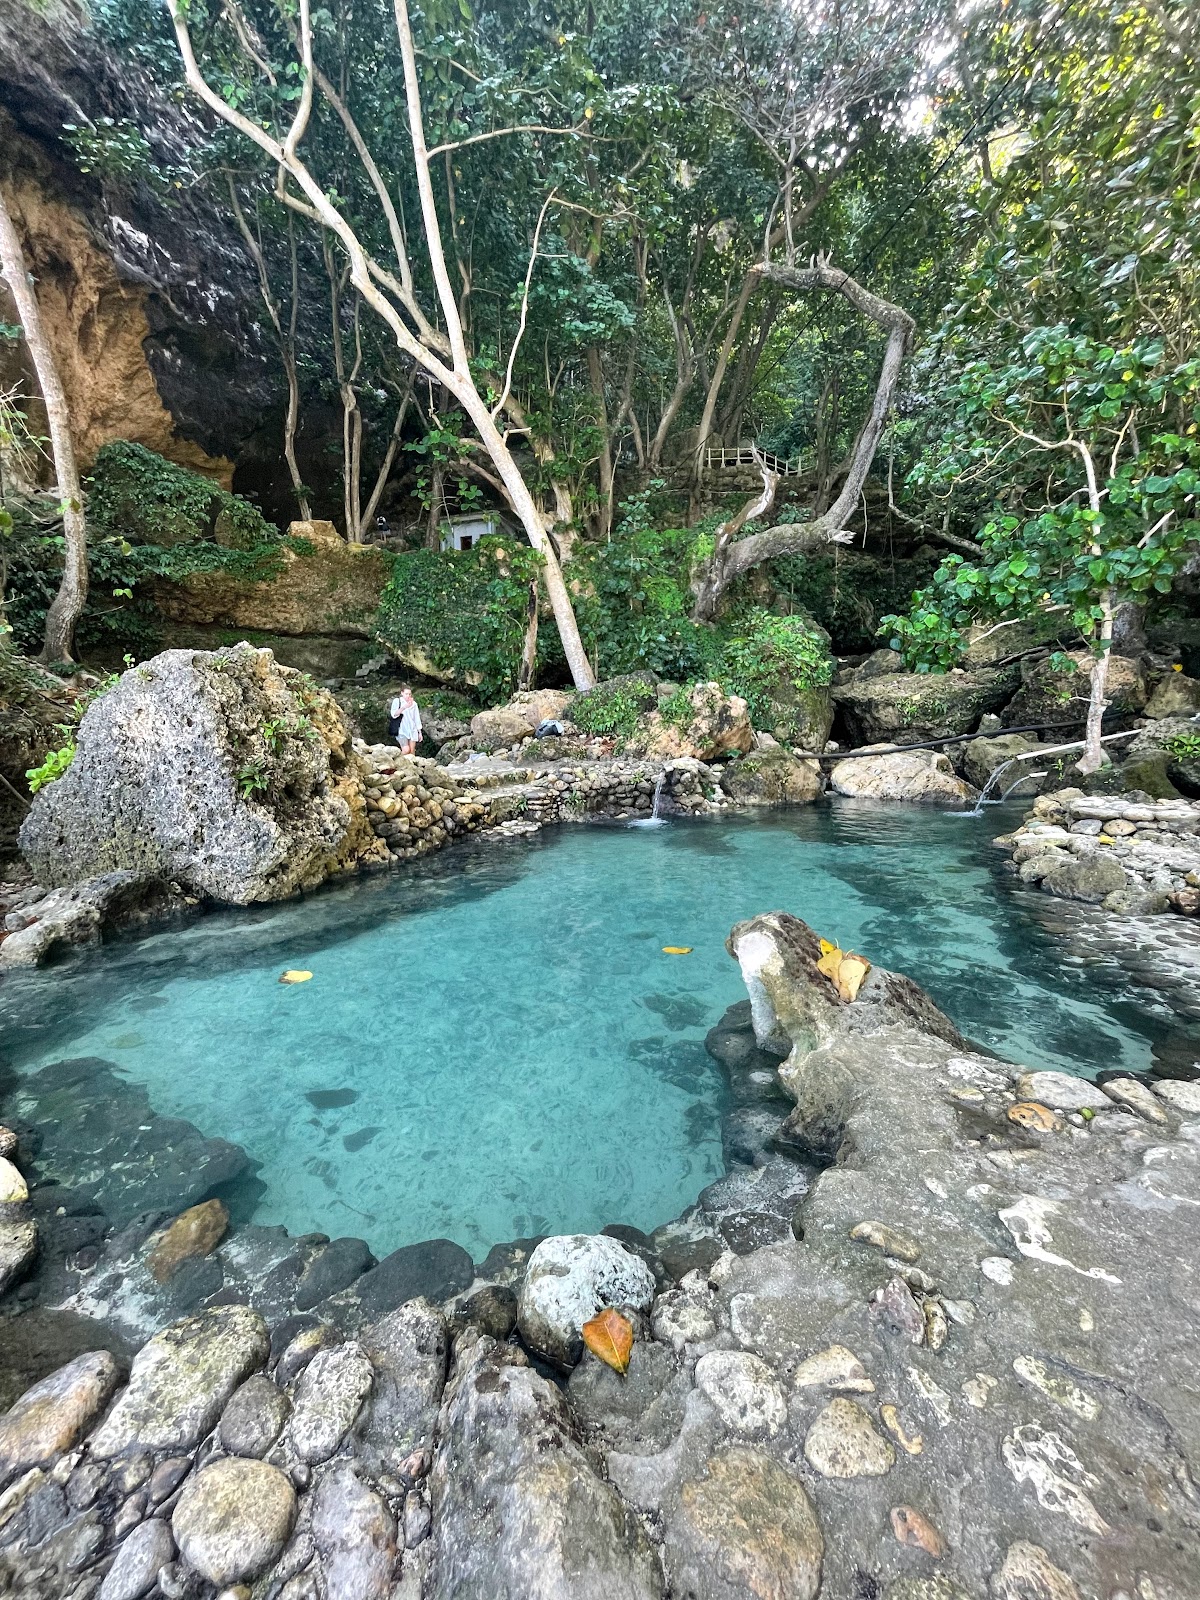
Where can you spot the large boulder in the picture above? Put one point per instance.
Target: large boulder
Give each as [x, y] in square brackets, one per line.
[220, 771]
[911, 706]
[924, 775]
[1055, 691]
[988, 645]
[519, 1511]
[772, 778]
[983, 757]
[718, 726]
[498, 727]
[1175, 743]
[1177, 695]
[569, 1279]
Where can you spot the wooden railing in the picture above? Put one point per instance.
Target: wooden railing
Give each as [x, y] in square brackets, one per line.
[748, 455]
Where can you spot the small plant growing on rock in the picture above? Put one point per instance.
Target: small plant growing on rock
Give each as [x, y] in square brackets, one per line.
[1183, 746]
[252, 779]
[55, 764]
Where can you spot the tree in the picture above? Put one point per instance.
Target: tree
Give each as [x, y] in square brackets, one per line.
[1118, 429]
[390, 293]
[67, 605]
[730, 556]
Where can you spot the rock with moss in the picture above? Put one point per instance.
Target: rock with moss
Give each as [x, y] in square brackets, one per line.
[984, 757]
[1054, 690]
[908, 707]
[614, 706]
[772, 777]
[703, 722]
[1177, 695]
[222, 772]
[1173, 742]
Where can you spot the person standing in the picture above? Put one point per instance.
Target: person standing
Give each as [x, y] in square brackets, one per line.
[404, 724]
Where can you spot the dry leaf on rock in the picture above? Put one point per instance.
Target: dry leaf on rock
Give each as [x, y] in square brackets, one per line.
[610, 1338]
[843, 968]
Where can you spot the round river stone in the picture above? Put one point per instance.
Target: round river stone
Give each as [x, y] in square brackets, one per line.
[233, 1519]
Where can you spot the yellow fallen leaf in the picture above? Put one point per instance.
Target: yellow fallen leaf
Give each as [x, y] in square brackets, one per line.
[843, 968]
[677, 949]
[294, 975]
[850, 974]
[610, 1338]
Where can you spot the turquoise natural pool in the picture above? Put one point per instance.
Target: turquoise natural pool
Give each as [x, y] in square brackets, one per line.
[495, 1045]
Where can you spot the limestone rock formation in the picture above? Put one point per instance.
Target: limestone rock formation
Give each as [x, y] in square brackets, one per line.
[222, 772]
[518, 1508]
[1177, 695]
[569, 1279]
[1058, 695]
[983, 757]
[719, 726]
[772, 778]
[903, 775]
[911, 706]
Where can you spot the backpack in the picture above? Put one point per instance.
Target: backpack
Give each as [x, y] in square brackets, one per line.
[394, 717]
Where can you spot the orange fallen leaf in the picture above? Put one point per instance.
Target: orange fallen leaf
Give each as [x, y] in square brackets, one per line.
[610, 1338]
[1030, 1114]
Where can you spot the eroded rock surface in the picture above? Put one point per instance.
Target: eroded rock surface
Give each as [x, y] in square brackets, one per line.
[220, 771]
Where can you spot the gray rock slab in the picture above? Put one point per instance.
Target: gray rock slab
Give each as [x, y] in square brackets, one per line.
[145, 1552]
[355, 1533]
[519, 1513]
[181, 1380]
[50, 1417]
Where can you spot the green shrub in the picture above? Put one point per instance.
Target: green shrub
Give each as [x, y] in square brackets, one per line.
[770, 653]
[147, 519]
[612, 709]
[466, 611]
[55, 764]
[145, 499]
[1183, 746]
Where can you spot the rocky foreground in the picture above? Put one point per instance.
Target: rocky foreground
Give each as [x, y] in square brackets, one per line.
[963, 1369]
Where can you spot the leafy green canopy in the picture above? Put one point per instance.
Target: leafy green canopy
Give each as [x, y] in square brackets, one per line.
[1120, 511]
[1058, 398]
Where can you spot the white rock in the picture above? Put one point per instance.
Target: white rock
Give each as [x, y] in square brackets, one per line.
[998, 1268]
[1062, 1092]
[329, 1397]
[835, 1368]
[907, 775]
[1129, 1092]
[12, 1184]
[743, 1389]
[569, 1279]
[681, 1319]
[1183, 1096]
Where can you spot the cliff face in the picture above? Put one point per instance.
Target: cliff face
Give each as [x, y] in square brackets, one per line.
[150, 296]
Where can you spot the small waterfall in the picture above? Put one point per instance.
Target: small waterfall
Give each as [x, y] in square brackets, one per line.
[658, 789]
[985, 794]
[653, 820]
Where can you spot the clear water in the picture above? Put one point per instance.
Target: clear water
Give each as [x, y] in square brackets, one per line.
[494, 1044]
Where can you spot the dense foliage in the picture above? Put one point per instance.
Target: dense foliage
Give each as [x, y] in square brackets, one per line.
[148, 519]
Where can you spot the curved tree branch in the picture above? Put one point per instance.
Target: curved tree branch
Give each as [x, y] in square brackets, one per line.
[730, 560]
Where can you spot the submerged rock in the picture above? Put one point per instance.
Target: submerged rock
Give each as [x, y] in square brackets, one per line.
[220, 771]
[518, 1510]
[569, 1279]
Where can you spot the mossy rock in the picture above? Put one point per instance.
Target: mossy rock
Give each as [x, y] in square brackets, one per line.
[910, 707]
[615, 705]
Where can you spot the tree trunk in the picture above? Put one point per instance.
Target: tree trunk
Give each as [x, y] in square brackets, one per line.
[730, 559]
[604, 510]
[528, 665]
[1093, 750]
[67, 606]
[749, 284]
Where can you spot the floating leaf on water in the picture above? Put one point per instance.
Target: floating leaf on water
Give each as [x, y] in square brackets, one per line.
[610, 1338]
[294, 975]
[677, 949]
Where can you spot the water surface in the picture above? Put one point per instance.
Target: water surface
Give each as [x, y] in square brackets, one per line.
[494, 1044]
